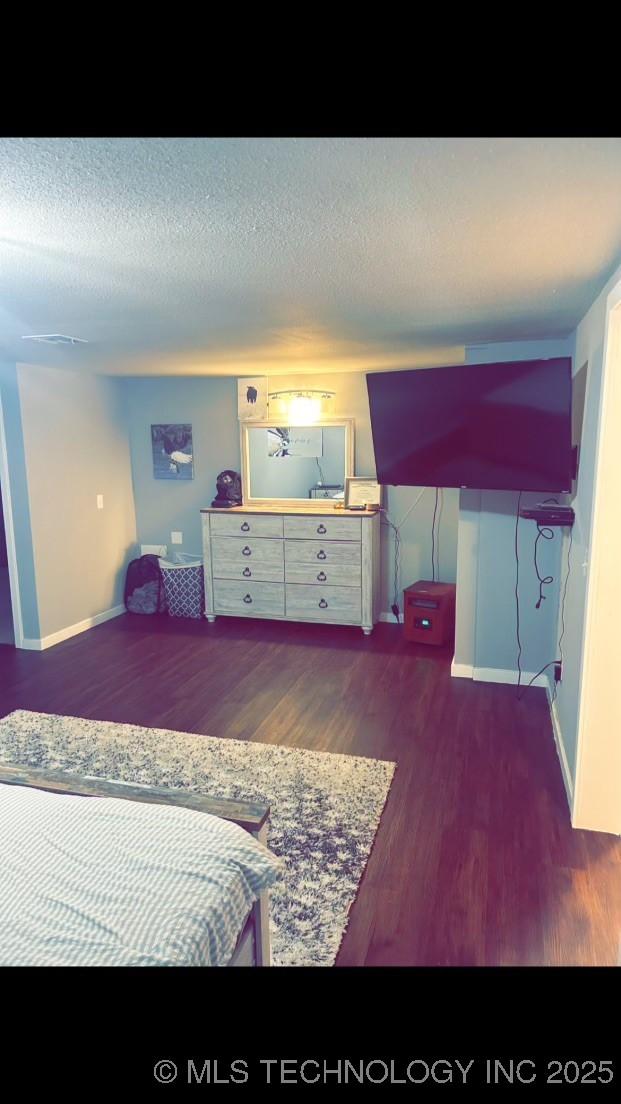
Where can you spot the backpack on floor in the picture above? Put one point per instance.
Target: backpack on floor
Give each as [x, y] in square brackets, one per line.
[144, 586]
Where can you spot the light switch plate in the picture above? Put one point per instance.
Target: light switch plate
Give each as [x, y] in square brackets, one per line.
[100, 502]
[176, 538]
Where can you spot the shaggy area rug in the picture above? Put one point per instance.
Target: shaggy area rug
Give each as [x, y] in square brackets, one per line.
[325, 807]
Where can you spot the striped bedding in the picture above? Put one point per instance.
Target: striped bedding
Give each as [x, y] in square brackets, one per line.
[108, 882]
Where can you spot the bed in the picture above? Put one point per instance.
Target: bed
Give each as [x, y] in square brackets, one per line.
[99, 873]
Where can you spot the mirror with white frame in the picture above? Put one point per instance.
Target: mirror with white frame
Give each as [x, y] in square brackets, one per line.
[296, 464]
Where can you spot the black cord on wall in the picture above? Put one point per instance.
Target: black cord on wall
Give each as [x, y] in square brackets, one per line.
[396, 593]
[560, 639]
[385, 520]
[544, 668]
[440, 512]
[544, 580]
[433, 541]
[517, 595]
[547, 534]
[397, 588]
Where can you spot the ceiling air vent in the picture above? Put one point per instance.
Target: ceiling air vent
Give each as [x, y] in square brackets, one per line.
[55, 339]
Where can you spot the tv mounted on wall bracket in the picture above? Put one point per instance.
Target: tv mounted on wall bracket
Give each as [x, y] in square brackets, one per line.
[501, 426]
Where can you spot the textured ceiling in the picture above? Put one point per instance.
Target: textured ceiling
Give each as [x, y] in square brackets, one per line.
[205, 255]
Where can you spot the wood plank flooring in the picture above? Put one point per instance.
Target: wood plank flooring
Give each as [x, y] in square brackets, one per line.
[475, 861]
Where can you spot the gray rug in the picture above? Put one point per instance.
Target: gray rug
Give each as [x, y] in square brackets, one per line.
[325, 807]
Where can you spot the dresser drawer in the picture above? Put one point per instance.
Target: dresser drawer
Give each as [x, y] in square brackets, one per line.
[329, 574]
[324, 528]
[234, 552]
[248, 599]
[257, 572]
[324, 603]
[241, 525]
[324, 552]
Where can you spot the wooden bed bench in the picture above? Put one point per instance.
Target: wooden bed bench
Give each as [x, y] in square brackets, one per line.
[253, 945]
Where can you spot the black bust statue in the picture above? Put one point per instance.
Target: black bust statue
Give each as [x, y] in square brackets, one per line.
[229, 490]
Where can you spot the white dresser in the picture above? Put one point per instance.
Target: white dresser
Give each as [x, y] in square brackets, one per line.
[293, 564]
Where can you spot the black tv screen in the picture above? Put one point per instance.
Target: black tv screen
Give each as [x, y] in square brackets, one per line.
[504, 426]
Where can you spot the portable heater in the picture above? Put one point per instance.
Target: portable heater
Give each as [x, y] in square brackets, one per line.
[429, 612]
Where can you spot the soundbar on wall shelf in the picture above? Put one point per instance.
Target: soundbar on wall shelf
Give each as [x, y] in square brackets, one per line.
[549, 515]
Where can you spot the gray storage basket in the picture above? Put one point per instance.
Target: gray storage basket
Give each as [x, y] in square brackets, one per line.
[184, 586]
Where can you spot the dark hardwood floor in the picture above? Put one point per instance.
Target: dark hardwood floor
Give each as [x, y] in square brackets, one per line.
[475, 861]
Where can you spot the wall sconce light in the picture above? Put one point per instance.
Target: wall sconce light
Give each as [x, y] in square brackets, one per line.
[303, 407]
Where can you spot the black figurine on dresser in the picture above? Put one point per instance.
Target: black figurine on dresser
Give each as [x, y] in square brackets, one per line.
[229, 491]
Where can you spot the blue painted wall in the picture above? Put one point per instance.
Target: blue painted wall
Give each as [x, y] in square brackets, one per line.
[494, 638]
[14, 436]
[210, 405]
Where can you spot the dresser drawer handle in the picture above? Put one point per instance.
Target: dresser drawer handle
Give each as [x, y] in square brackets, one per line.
[245, 528]
[248, 599]
[323, 604]
[246, 551]
[321, 528]
[321, 578]
[247, 572]
[321, 555]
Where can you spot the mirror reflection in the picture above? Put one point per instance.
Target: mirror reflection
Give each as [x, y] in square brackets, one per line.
[296, 461]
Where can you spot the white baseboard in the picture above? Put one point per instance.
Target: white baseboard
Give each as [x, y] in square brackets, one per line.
[389, 616]
[496, 674]
[41, 643]
[462, 670]
[29, 644]
[560, 750]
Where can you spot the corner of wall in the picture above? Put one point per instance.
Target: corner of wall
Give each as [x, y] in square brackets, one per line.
[17, 503]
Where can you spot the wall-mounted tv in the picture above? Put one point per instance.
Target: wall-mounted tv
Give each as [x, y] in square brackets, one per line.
[503, 426]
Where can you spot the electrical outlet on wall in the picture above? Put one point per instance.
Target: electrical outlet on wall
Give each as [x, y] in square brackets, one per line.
[176, 538]
[100, 502]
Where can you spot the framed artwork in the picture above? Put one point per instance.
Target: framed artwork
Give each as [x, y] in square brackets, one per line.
[252, 398]
[362, 490]
[294, 441]
[173, 454]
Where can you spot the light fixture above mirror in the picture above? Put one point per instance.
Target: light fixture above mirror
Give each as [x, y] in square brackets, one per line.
[302, 406]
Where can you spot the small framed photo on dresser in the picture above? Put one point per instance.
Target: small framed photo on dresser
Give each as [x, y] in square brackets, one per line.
[362, 492]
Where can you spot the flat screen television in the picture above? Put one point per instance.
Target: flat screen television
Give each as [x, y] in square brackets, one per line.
[504, 426]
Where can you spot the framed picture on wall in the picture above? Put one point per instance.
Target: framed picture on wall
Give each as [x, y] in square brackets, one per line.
[173, 453]
[252, 398]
